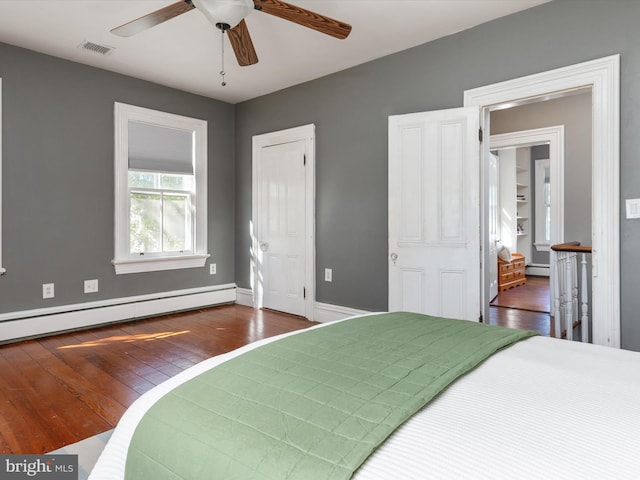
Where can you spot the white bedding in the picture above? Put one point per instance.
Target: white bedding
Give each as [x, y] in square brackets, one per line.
[540, 409]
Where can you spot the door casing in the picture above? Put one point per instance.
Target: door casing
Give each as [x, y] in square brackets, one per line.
[603, 77]
[554, 137]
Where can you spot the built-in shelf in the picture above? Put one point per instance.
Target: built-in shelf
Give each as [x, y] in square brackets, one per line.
[515, 197]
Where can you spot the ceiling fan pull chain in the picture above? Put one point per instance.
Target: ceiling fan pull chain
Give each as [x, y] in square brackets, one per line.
[222, 72]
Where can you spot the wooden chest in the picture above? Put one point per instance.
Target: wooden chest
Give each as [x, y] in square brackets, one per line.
[511, 274]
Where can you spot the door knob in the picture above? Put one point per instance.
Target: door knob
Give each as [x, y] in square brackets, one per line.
[394, 257]
[264, 246]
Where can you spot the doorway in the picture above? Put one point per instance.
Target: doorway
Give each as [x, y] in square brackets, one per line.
[603, 77]
[529, 185]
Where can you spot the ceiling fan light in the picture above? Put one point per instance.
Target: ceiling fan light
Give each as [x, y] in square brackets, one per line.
[229, 12]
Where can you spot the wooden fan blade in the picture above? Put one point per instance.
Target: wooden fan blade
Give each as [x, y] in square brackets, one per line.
[303, 17]
[154, 18]
[242, 44]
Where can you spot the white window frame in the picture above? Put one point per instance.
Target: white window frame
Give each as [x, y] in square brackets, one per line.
[124, 262]
[2, 269]
[541, 243]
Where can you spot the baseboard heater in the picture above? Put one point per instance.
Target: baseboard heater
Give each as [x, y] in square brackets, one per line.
[539, 269]
[45, 321]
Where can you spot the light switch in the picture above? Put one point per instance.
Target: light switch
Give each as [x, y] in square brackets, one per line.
[633, 208]
[328, 275]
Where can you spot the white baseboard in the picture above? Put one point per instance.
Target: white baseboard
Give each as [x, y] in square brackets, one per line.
[244, 297]
[324, 312]
[43, 321]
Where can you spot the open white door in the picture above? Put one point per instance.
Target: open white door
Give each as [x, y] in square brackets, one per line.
[434, 215]
[492, 228]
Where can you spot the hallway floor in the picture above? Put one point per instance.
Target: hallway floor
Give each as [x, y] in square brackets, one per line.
[525, 307]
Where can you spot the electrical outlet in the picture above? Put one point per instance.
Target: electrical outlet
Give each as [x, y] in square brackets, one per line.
[212, 269]
[90, 286]
[633, 207]
[328, 275]
[47, 290]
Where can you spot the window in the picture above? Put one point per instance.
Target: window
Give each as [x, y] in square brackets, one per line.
[160, 191]
[543, 204]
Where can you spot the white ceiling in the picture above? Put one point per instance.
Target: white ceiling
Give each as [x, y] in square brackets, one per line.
[185, 52]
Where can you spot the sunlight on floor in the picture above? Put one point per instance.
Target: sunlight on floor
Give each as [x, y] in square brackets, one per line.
[141, 337]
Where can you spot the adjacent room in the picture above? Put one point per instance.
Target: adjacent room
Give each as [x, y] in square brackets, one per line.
[240, 238]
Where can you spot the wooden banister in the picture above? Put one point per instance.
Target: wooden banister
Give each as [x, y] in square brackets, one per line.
[571, 247]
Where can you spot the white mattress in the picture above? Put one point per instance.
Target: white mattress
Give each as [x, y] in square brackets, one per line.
[541, 409]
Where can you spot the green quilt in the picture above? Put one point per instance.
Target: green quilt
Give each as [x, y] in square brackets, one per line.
[309, 406]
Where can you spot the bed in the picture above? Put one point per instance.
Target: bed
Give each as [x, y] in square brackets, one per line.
[536, 408]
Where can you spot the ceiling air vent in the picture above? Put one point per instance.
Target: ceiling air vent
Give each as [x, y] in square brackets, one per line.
[96, 48]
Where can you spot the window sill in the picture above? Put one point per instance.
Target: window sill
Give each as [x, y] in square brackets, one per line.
[542, 247]
[159, 263]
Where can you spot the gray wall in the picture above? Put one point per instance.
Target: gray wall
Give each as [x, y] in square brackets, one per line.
[350, 110]
[58, 181]
[574, 112]
[58, 155]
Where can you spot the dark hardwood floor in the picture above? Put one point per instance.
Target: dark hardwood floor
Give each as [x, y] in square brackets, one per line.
[525, 307]
[533, 296]
[58, 390]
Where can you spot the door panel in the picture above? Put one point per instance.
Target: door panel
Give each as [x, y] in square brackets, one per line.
[412, 284]
[434, 257]
[282, 226]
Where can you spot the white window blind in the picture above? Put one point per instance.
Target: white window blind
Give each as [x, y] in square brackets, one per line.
[160, 149]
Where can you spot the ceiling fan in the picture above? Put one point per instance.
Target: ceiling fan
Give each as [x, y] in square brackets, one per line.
[229, 15]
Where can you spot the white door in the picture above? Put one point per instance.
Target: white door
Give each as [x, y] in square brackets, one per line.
[492, 230]
[434, 214]
[281, 228]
